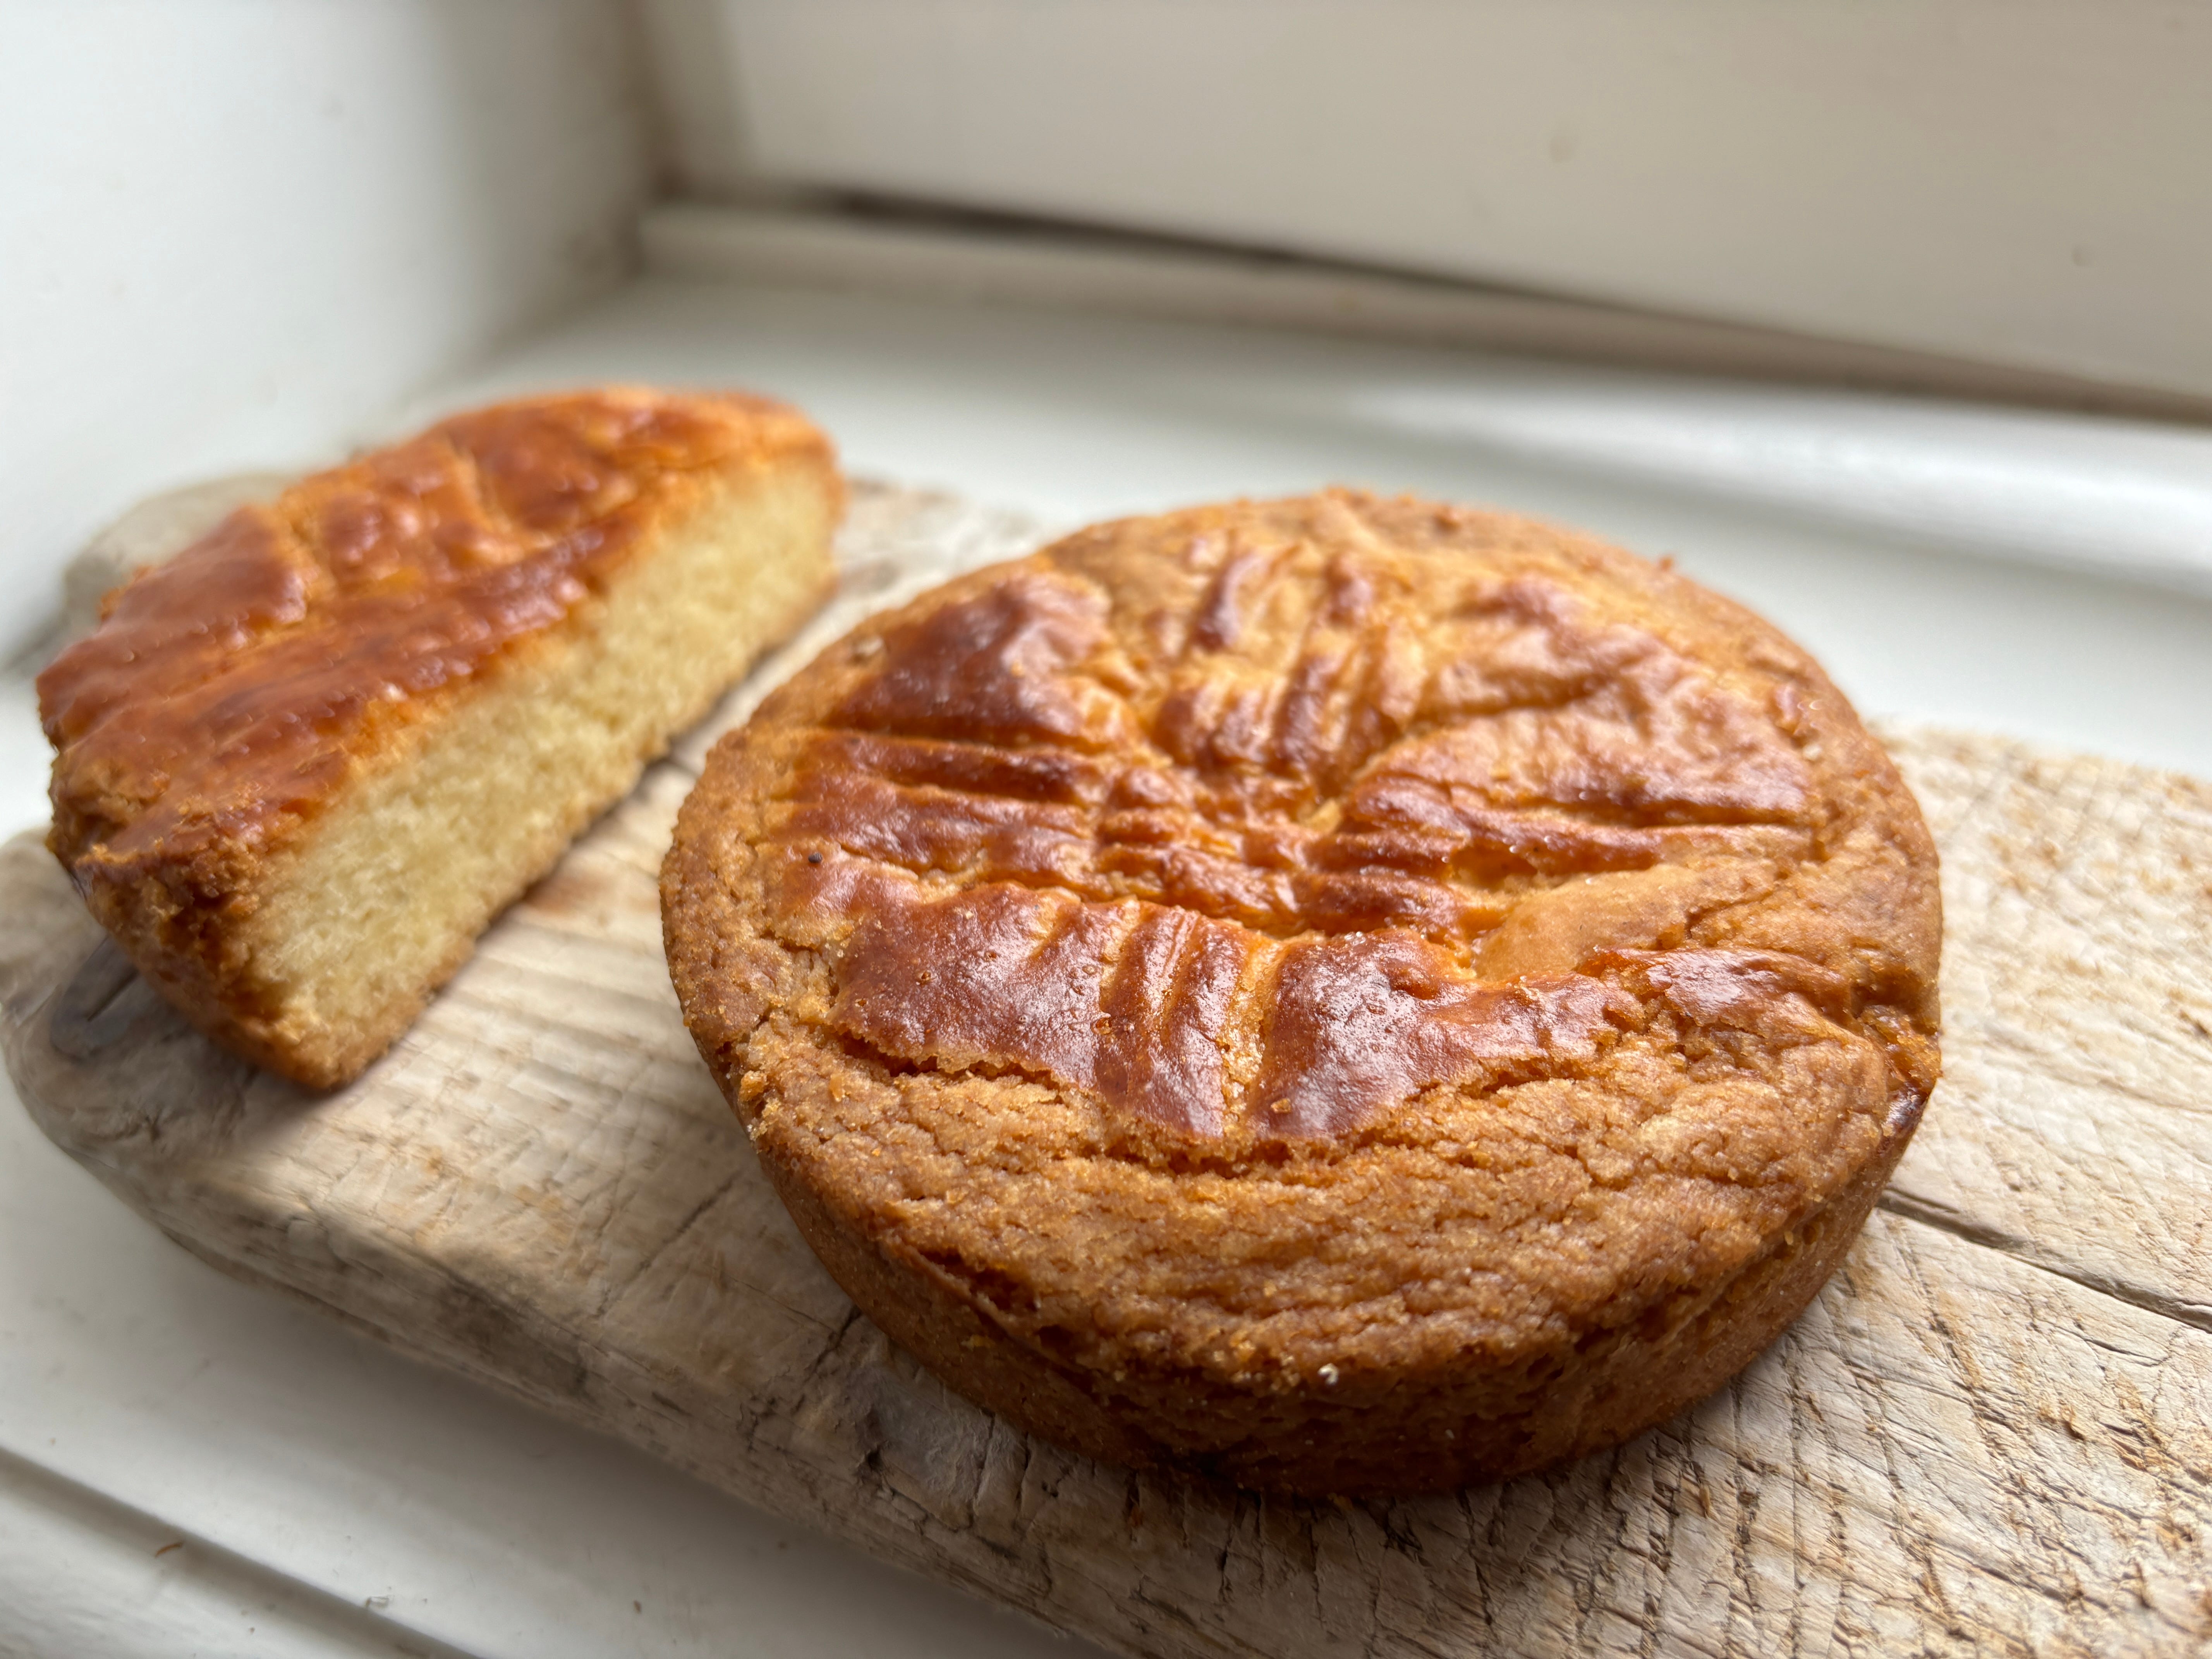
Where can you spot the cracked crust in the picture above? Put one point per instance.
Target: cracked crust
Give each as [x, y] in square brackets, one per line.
[1356, 995]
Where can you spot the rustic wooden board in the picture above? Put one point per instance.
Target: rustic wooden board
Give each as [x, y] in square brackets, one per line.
[1992, 1433]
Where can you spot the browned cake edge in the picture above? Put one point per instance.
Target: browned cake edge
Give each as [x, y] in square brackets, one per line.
[1319, 1441]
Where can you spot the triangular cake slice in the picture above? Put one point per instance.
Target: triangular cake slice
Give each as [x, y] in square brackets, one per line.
[300, 766]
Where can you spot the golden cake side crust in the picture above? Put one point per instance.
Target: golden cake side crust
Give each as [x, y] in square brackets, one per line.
[237, 697]
[1358, 994]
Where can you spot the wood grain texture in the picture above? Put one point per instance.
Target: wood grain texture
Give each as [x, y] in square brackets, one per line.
[1991, 1433]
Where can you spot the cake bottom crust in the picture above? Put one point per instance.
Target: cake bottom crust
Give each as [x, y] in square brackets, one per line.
[1435, 1430]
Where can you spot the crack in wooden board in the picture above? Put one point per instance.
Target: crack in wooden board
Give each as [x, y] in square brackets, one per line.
[1990, 1433]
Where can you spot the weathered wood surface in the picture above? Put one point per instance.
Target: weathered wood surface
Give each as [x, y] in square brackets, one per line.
[1991, 1433]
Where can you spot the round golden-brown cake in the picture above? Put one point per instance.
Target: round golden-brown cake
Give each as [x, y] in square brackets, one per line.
[1352, 995]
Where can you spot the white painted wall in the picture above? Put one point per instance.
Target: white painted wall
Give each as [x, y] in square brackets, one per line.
[2025, 182]
[692, 63]
[233, 231]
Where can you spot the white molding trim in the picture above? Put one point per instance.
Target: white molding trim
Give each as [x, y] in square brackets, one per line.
[1065, 269]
